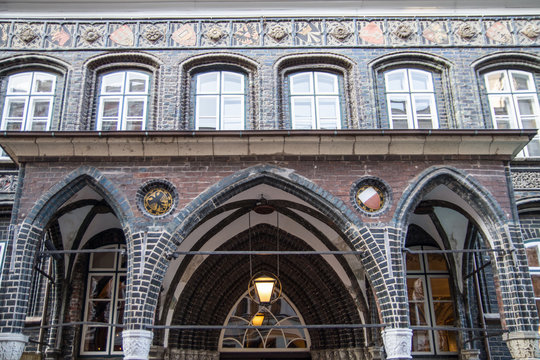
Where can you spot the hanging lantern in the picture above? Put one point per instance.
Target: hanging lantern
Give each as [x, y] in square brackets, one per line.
[267, 288]
[258, 319]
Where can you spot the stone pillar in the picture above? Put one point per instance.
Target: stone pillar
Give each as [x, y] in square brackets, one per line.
[469, 354]
[397, 343]
[136, 344]
[375, 352]
[185, 354]
[12, 345]
[523, 345]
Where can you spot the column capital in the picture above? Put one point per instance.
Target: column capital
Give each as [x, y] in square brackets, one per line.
[469, 354]
[12, 345]
[523, 345]
[136, 344]
[397, 343]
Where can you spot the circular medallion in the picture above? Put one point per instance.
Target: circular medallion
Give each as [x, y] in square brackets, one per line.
[370, 195]
[158, 201]
[156, 198]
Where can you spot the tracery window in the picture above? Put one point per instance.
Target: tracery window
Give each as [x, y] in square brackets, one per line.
[123, 101]
[220, 100]
[105, 301]
[410, 97]
[513, 103]
[315, 100]
[28, 103]
[430, 303]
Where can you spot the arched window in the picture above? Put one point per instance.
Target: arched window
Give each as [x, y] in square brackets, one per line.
[105, 300]
[430, 303]
[123, 101]
[220, 100]
[28, 102]
[315, 100]
[513, 103]
[280, 313]
[410, 99]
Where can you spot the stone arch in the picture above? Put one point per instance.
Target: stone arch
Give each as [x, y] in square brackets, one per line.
[97, 65]
[356, 235]
[218, 60]
[438, 66]
[335, 63]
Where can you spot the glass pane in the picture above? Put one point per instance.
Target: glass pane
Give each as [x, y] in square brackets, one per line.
[413, 262]
[38, 126]
[16, 108]
[302, 110]
[423, 106]
[526, 106]
[396, 81]
[415, 289]
[134, 125]
[43, 83]
[440, 289]
[233, 83]
[420, 81]
[232, 113]
[398, 106]
[301, 84]
[417, 314]
[137, 83]
[117, 345]
[436, 262]
[207, 108]
[534, 147]
[20, 84]
[421, 341]
[41, 108]
[447, 341]
[99, 311]
[121, 287]
[208, 83]
[536, 284]
[100, 287]
[13, 125]
[326, 83]
[111, 108]
[113, 83]
[496, 81]
[521, 81]
[328, 113]
[109, 125]
[444, 313]
[95, 338]
[103, 261]
[135, 108]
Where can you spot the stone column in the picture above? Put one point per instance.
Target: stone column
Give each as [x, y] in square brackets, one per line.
[469, 354]
[12, 345]
[375, 352]
[523, 345]
[397, 343]
[136, 344]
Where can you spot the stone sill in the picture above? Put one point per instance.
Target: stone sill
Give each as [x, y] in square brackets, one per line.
[154, 144]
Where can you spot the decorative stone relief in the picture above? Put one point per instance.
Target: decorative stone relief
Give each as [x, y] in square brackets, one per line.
[526, 180]
[397, 343]
[375, 352]
[532, 31]
[215, 33]
[152, 33]
[91, 34]
[339, 354]
[278, 32]
[340, 32]
[136, 344]
[467, 31]
[12, 346]
[522, 345]
[469, 354]
[27, 34]
[185, 354]
[8, 183]
[403, 31]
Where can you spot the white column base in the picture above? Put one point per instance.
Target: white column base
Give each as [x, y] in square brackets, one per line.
[523, 345]
[136, 344]
[12, 346]
[397, 343]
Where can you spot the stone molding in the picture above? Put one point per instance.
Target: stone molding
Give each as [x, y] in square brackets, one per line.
[189, 354]
[88, 144]
[136, 344]
[397, 343]
[523, 345]
[12, 345]
[469, 354]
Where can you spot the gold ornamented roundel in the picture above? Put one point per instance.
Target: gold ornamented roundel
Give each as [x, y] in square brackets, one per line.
[158, 201]
[370, 198]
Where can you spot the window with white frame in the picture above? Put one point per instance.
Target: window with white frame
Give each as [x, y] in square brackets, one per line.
[430, 303]
[220, 100]
[315, 100]
[28, 103]
[105, 301]
[533, 257]
[123, 101]
[513, 103]
[411, 99]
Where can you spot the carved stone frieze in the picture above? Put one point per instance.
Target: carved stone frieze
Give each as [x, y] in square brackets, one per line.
[397, 343]
[215, 33]
[12, 346]
[526, 179]
[403, 31]
[8, 183]
[467, 31]
[136, 344]
[340, 32]
[532, 31]
[469, 354]
[91, 34]
[339, 354]
[522, 345]
[27, 34]
[153, 34]
[277, 32]
[187, 354]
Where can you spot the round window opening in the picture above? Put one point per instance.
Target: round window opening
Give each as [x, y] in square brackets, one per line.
[157, 198]
[370, 195]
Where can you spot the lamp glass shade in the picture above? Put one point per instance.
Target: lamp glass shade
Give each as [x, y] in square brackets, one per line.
[258, 319]
[264, 286]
